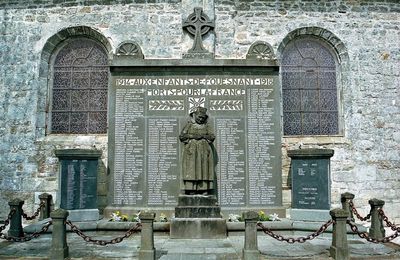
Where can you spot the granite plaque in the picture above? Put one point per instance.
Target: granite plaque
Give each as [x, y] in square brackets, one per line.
[78, 171]
[152, 106]
[79, 184]
[310, 171]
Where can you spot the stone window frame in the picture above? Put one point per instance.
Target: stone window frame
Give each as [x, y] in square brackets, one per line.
[49, 52]
[339, 50]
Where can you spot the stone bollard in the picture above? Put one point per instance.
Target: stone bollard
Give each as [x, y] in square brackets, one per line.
[339, 249]
[59, 247]
[45, 211]
[250, 250]
[147, 250]
[345, 198]
[377, 230]
[16, 218]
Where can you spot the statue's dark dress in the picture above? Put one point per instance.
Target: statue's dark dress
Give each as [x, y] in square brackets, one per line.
[197, 158]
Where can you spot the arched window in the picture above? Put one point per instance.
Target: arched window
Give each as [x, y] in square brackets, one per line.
[309, 92]
[79, 93]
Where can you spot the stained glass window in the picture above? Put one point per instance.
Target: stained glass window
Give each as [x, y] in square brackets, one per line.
[309, 92]
[79, 95]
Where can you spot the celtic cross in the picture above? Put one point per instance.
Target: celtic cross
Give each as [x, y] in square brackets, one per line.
[198, 24]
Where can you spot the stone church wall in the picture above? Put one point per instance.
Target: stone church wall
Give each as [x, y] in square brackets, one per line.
[366, 160]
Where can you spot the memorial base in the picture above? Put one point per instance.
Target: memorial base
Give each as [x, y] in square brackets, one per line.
[84, 215]
[198, 228]
[198, 216]
[310, 215]
[197, 206]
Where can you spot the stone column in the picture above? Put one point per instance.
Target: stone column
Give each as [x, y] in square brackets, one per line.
[59, 247]
[377, 230]
[16, 218]
[250, 250]
[147, 250]
[345, 198]
[45, 211]
[339, 249]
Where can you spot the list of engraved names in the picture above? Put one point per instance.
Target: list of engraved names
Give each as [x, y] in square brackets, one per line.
[150, 112]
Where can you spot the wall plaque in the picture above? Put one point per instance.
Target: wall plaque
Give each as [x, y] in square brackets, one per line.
[78, 170]
[310, 171]
[149, 109]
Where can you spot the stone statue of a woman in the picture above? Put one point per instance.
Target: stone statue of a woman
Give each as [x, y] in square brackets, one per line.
[198, 158]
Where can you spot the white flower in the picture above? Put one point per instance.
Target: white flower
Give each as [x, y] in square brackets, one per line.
[115, 217]
[136, 218]
[274, 217]
[233, 218]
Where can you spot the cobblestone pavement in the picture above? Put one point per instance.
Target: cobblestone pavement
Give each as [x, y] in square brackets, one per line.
[188, 249]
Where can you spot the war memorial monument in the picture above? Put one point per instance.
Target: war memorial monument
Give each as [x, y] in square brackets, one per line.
[198, 119]
[109, 85]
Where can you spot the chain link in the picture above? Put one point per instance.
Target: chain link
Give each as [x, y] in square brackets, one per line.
[27, 238]
[116, 240]
[354, 210]
[387, 221]
[292, 240]
[41, 205]
[366, 236]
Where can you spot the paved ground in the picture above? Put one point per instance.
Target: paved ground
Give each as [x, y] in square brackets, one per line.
[188, 249]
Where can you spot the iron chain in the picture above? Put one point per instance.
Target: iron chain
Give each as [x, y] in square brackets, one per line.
[365, 235]
[27, 238]
[116, 240]
[41, 205]
[292, 240]
[387, 221]
[354, 210]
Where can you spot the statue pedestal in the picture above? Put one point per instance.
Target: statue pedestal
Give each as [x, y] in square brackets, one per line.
[198, 216]
[197, 206]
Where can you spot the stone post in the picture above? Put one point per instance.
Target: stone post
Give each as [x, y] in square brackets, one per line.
[339, 249]
[345, 198]
[45, 211]
[59, 247]
[250, 250]
[147, 250]
[16, 218]
[377, 230]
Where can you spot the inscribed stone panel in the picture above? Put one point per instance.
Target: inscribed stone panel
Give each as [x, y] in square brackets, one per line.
[151, 108]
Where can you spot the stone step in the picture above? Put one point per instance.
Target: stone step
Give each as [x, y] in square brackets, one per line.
[222, 256]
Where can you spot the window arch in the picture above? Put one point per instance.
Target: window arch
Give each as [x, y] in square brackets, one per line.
[79, 93]
[309, 88]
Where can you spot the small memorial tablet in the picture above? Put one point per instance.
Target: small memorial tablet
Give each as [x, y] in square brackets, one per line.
[310, 173]
[78, 169]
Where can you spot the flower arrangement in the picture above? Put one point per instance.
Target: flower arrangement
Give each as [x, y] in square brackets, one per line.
[274, 217]
[235, 218]
[118, 217]
[263, 217]
[136, 217]
[162, 218]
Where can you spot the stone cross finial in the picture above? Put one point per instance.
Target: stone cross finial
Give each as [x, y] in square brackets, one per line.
[198, 24]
